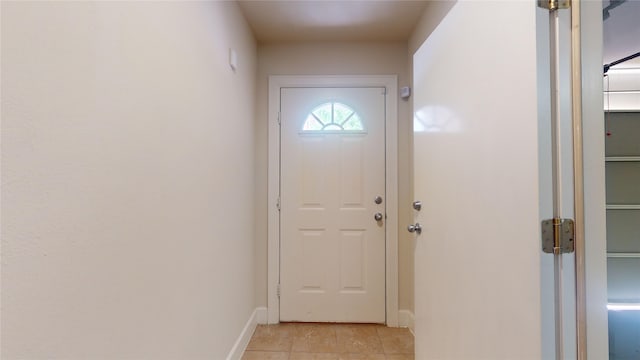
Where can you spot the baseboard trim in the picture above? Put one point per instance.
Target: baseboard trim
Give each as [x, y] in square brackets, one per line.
[262, 315]
[406, 319]
[258, 316]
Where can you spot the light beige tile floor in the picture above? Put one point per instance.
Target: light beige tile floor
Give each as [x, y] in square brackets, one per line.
[311, 341]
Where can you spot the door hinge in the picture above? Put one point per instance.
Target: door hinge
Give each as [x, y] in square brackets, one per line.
[558, 236]
[279, 118]
[554, 4]
[278, 203]
[278, 290]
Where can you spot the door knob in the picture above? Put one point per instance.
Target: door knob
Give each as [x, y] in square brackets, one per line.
[378, 200]
[378, 216]
[417, 205]
[417, 228]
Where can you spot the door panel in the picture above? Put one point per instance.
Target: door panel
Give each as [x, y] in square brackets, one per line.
[332, 248]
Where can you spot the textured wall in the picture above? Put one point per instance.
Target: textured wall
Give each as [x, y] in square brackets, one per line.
[127, 180]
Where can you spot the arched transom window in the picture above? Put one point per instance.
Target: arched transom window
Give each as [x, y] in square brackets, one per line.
[333, 116]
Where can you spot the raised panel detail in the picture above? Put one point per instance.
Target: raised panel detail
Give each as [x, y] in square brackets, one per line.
[312, 259]
[352, 170]
[311, 162]
[352, 261]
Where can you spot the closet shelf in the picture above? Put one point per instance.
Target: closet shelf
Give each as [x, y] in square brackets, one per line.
[624, 255]
[623, 207]
[622, 158]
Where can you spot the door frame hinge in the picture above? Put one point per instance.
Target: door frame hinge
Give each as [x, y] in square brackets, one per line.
[278, 290]
[279, 118]
[558, 236]
[554, 4]
[278, 204]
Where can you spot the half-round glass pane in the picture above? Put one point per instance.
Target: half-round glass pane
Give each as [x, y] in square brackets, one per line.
[333, 116]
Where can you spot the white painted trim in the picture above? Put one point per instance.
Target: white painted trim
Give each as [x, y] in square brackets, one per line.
[594, 182]
[245, 336]
[273, 243]
[406, 319]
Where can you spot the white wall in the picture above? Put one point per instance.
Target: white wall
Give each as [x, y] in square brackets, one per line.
[385, 58]
[594, 170]
[476, 296]
[127, 180]
[433, 13]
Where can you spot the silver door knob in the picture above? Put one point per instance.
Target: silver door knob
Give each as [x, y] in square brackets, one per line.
[417, 228]
[378, 200]
[378, 216]
[417, 205]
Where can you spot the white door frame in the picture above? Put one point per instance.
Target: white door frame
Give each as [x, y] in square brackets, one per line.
[390, 82]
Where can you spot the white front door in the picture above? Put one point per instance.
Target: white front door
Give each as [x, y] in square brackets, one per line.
[332, 263]
[480, 174]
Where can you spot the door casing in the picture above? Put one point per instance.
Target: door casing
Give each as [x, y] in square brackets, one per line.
[390, 82]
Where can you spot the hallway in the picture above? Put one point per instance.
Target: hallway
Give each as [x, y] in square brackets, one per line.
[302, 341]
[141, 182]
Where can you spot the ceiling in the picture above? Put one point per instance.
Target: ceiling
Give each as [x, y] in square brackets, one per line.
[394, 20]
[330, 20]
[622, 32]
